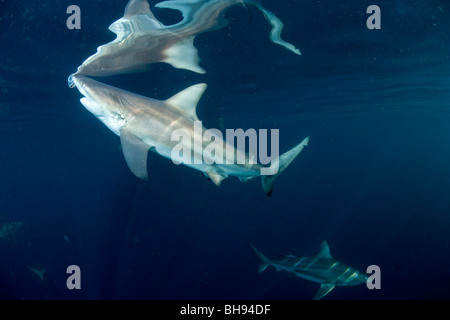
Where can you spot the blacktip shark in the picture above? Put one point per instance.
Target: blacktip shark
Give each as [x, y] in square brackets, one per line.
[321, 268]
[145, 124]
[142, 39]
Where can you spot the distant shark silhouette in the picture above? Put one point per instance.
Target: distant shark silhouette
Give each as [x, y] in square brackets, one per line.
[9, 229]
[39, 273]
[143, 40]
[321, 268]
[145, 124]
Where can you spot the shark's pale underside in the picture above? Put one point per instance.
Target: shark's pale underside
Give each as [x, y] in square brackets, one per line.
[145, 124]
[321, 268]
[142, 39]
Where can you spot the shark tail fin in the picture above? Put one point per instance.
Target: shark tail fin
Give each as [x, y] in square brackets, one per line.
[277, 27]
[264, 261]
[283, 162]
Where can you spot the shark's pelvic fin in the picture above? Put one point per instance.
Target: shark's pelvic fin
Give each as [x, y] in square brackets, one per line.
[136, 153]
[324, 252]
[324, 289]
[187, 100]
[215, 177]
[264, 261]
[284, 161]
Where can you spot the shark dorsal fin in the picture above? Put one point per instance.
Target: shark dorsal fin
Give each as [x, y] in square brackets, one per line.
[324, 289]
[324, 252]
[187, 100]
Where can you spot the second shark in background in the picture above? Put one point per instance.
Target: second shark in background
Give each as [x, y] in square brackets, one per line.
[321, 268]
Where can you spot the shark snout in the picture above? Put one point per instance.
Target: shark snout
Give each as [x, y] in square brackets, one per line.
[80, 82]
[89, 100]
[71, 81]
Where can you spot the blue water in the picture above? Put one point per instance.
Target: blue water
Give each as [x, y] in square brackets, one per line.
[374, 181]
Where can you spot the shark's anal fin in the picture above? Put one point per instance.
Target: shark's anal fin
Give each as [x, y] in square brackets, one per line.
[135, 152]
[245, 179]
[324, 289]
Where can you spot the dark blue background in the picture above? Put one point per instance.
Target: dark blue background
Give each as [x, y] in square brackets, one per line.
[374, 181]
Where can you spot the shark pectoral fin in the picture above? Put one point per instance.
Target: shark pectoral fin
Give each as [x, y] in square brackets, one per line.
[183, 55]
[215, 177]
[136, 153]
[324, 289]
[188, 99]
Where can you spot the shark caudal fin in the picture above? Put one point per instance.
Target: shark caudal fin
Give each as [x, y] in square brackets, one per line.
[284, 161]
[264, 261]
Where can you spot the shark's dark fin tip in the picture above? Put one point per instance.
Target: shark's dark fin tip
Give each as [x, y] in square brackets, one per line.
[284, 161]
